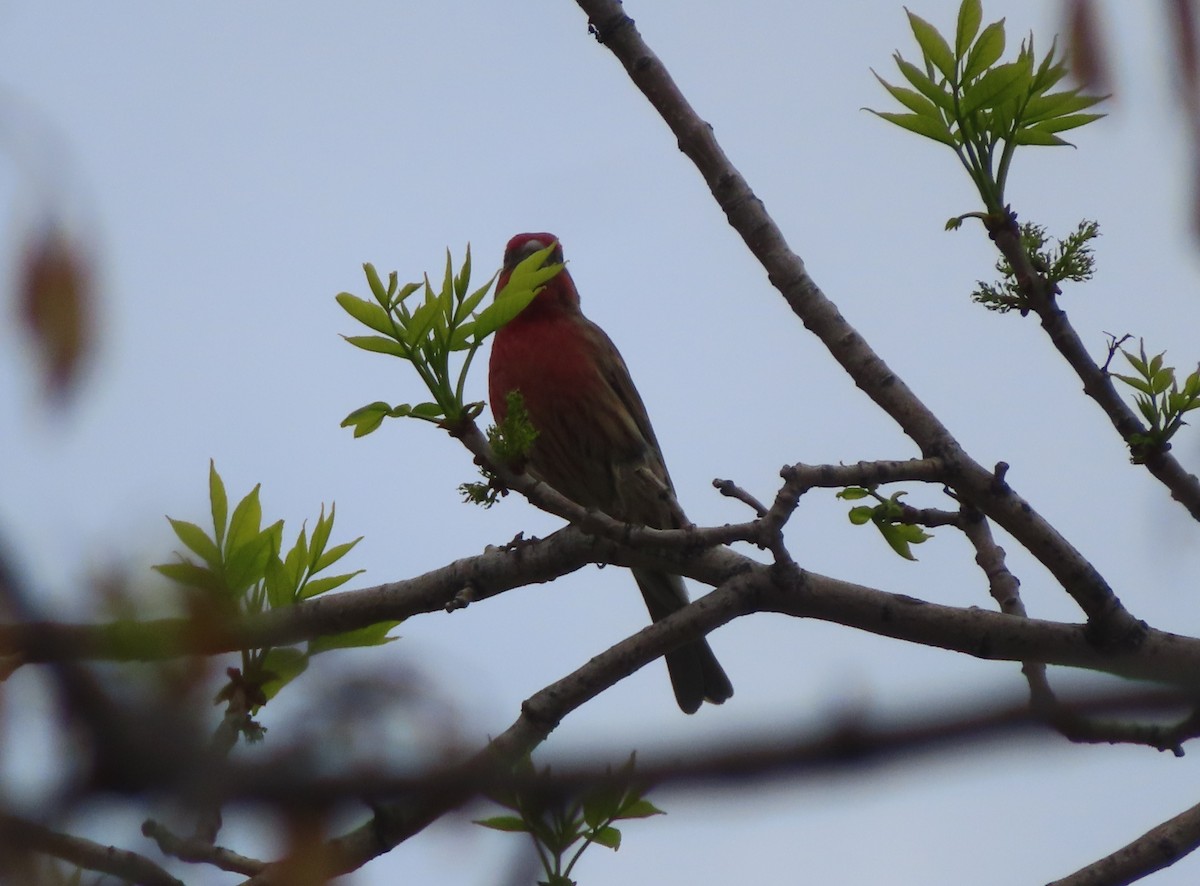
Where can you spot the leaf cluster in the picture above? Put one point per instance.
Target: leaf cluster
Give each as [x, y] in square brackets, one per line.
[1071, 258]
[888, 517]
[442, 323]
[511, 441]
[241, 569]
[1160, 400]
[557, 822]
[964, 98]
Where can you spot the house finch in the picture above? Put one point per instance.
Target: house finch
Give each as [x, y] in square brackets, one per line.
[594, 442]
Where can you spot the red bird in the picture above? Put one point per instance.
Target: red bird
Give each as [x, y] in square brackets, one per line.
[594, 443]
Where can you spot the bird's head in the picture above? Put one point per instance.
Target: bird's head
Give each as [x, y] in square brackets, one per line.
[560, 290]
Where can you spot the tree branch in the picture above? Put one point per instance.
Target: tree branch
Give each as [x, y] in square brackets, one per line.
[18, 834]
[1154, 850]
[1110, 623]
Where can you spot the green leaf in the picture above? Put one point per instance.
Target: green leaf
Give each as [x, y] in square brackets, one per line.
[278, 583]
[379, 345]
[316, 586]
[246, 563]
[934, 129]
[464, 276]
[1148, 410]
[285, 664]
[366, 313]
[1037, 137]
[192, 576]
[896, 540]
[861, 514]
[296, 561]
[640, 808]
[853, 493]
[608, 836]
[463, 337]
[198, 542]
[1162, 380]
[328, 558]
[423, 319]
[1058, 104]
[371, 635]
[426, 411]
[986, 51]
[970, 14]
[933, 45]
[367, 418]
[219, 502]
[472, 301]
[1138, 363]
[245, 522]
[1133, 382]
[320, 536]
[937, 94]
[375, 283]
[998, 85]
[912, 100]
[510, 823]
[1069, 121]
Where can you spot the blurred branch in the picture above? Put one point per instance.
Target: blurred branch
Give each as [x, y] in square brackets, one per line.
[200, 851]
[20, 835]
[846, 746]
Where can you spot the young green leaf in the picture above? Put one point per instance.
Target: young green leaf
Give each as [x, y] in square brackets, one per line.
[315, 586]
[245, 522]
[933, 45]
[197, 541]
[380, 345]
[934, 129]
[366, 313]
[921, 81]
[970, 15]
[912, 100]
[986, 51]
[218, 501]
[371, 635]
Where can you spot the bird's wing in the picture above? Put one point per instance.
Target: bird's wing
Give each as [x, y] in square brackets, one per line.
[642, 481]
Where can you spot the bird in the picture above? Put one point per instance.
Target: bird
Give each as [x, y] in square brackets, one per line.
[594, 440]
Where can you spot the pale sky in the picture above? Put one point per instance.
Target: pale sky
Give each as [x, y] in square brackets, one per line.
[236, 163]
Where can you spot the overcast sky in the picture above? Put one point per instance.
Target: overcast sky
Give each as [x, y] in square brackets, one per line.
[233, 164]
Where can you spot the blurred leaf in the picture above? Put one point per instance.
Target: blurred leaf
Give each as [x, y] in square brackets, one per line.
[284, 664]
[510, 823]
[218, 501]
[192, 576]
[371, 635]
[55, 293]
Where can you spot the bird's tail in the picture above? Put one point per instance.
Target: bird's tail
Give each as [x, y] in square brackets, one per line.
[696, 675]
